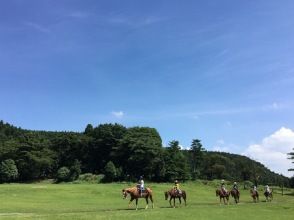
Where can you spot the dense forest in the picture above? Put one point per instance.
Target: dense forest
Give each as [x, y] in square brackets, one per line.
[120, 154]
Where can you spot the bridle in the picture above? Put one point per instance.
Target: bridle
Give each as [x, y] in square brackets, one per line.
[124, 193]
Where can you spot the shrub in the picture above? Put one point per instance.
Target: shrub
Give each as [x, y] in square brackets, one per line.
[63, 174]
[110, 172]
[75, 170]
[8, 171]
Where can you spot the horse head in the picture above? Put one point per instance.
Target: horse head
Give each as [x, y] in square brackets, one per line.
[124, 193]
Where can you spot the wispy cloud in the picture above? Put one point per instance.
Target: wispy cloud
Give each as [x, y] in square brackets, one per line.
[197, 115]
[117, 114]
[37, 27]
[134, 22]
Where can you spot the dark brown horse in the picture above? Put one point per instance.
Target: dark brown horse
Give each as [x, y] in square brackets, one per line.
[223, 195]
[236, 195]
[136, 194]
[255, 195]
[173, 194]
[268, 196]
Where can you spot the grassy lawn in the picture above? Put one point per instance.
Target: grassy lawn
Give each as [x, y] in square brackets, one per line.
[104, 201]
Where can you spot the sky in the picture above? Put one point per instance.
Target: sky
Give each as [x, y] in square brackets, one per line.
[218, 71]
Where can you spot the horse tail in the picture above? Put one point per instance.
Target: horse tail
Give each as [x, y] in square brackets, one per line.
[166, 195]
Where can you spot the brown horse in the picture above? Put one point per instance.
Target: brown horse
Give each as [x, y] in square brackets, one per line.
[173, 194]
[136, 194]
[235, 194]
[268, 196]
[223, 195]
[255, 195]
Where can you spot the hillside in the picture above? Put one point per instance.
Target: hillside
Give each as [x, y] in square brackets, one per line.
[119, 153]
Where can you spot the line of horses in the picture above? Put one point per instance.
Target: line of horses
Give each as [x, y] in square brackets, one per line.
[236, 195]
[173, 194]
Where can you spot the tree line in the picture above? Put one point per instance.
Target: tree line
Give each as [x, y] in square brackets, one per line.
[121, 154]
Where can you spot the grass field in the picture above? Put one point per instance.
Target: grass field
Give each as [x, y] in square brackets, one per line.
[104, 201]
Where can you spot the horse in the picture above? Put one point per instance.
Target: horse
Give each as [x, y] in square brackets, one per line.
[268, 196]
[255, 195]
[223, 195]
[173, 194]
[136, 194]
[236, 195]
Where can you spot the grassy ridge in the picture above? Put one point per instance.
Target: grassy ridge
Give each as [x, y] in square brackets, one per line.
[104, 201]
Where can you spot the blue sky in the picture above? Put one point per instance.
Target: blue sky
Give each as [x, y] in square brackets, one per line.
[219, 71]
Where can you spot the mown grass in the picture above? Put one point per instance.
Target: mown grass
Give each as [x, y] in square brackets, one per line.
[104, 201]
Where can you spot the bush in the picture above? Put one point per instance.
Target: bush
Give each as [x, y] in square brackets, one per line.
[8, 171]
[75, 170]
[63, 174]
[88, 177]
[110, 172]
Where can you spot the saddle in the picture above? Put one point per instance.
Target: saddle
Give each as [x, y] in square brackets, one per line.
[177, 192]
[141, 191]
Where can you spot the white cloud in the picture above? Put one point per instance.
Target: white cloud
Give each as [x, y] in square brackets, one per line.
[118, 114]
[272, 151]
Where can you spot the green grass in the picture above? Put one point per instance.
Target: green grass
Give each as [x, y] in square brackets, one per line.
[104, 201]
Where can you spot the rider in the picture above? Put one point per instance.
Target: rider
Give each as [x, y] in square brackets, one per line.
[255, 189]
[223, 189]
[177, 187]
[235, 186]
[141, 185]
[267, 189]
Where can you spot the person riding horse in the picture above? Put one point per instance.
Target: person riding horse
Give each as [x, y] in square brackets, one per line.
[140, 185]
[235, 192]
[254, 193]
[235, 187]
[255, 189]
[268, 193]
[177, 187]
[267, 189]
[223, 189]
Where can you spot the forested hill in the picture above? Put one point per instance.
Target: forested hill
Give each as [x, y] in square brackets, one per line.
[119, 153]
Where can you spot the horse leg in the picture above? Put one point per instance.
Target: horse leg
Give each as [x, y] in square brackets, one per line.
[136, 204]
[170, 201]
[130, 202]
[151, 199]
[174, 202]
[180, 200]
[146, 202]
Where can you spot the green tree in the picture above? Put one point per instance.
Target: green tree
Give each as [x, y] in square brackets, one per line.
[110, 172]
[106, 140]
[291, 154]
[197, 153]
[139, 151]
[89, 129]
[8, 171]
[176, 163]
